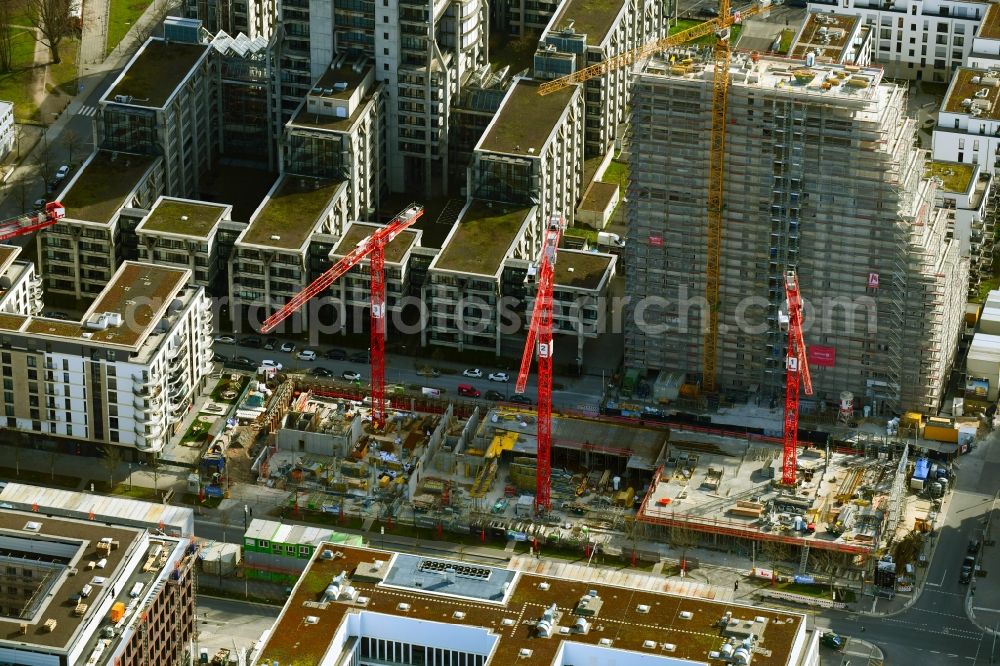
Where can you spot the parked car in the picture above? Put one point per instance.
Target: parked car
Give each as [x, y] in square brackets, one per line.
[225, 339]
[499, 377]
[243, 362]
[62, 172]
[361, 357]
[319, 371]
[270, 344]
[252, 341]
[968, 567]
[520, 399]
[468, 391]
[38, 204]
[493, 395]
[832, 640]
[288, 347]
[268, 363]
[335, 354]
[708, 12]
[475, 373]
[306, 355]
[973, 546]
[351, 375]
[219, 358]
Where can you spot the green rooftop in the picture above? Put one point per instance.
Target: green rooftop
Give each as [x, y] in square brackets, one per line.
[599, 195]
[101, 188]
[175, 216]
[290, 215]
[155, 73]
[955, 177]
[526, 120]
[593, 18]
[484, 234]
[394, 251]
[583, 270]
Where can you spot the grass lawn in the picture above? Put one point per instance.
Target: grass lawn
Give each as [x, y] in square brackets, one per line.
[39, 478]
[62, 77]
[226, 384]
[123, 490]
[787, 35]
[123, 14]
[197, 432]
[16, 85]
[617, 173]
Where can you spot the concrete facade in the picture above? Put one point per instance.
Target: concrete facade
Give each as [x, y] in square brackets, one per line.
[7, 129]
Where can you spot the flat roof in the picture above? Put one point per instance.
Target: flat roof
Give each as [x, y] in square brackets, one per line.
[100, 189]
[827, 35]
[955, 177]
[584, 270]
[593, 18]
[59, 607]
[289, 215]
[598, 196]
[358, 231]
[526, 119]
[180, 216]
[139, 292]
[989, 28]
[963, 88]
[330, 81]
[628, 617]
[12, 322]
[7, 255]
[482, 237]
[155, 72]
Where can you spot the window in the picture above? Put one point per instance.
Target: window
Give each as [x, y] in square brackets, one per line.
[385, 19]
[385, 51]
[263, 544]
[32, 362]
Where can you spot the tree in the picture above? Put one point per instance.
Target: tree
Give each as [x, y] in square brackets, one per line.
[6, 39]
[72, 141]
[683, 538]
[51, 18]
[111, 457]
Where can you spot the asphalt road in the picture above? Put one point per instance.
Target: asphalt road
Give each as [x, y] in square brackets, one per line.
[225, 623]
[582, 393]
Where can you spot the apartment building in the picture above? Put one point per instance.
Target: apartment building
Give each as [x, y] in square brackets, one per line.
[532, 153]
[8, 132]
[254, 18]
[915, 39]
[986, 44]
[105, 200]
[20, 286]
[523, 18]
[380, 606]
[968, 124]
[164, 103]
[471, 114]
[832, 187]
[138, 607]
[833, 38]
[966, 192]
[183, 234]
[271, 259]
[339, 133]
[124, 375]
[582, 33]
[248, 115]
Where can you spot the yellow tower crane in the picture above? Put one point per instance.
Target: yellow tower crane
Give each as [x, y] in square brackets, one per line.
[717, 158]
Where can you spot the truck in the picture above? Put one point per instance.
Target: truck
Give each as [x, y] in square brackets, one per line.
[607, 239]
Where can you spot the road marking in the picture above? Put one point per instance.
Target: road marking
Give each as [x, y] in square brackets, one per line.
[950, 594]
[942, 578]
[87, 111]
[986, 610]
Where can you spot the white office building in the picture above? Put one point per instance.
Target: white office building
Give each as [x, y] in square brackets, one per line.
[7, 129]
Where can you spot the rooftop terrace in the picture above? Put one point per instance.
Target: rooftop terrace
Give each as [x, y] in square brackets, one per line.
[990, 27]
[139, 292]
[955, 177]
[482, 238]
[292, 213]
[155, 72]
[178, 216]
[827, 35]
[593, 18]
[526, 120]
[627, 619]
[100, 189]
[582, 270]
[966, 84]
[394, 251]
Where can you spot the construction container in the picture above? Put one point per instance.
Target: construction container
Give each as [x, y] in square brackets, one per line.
[989, 317]
[625, 498]
[972, 311]
[983, 364]
[912, 420]
[939, 433]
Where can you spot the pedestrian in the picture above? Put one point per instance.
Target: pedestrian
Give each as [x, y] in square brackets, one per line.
[736, 585]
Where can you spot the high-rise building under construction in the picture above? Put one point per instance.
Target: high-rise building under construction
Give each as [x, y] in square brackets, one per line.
[821, 176]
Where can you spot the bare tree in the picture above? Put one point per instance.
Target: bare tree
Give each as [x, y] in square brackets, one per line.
[6, 38]
[51, 18]
[17, 459]
[72, 142]
[683, 538]
[111, 457]
[43, 160]
[53, 457]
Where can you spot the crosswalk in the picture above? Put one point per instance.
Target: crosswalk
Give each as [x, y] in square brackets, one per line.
[87, 110]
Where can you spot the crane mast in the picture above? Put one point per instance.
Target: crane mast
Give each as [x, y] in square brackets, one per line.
[796, 374]
[540, 337]
[371, 248]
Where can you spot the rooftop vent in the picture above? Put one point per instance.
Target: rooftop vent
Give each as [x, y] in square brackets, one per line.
[275, 237]
[340, 86]
[33, 526]
[543, 586]
[507, 622]
[404, 607]
[668, 647]
[458, 615]
[312, 619]
[686, 615]
[605, 642]
[649, 645]
[525, 653]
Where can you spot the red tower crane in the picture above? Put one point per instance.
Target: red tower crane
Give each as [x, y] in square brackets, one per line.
[540, 333]
[371, 248]
[796, 373]
[48, 215]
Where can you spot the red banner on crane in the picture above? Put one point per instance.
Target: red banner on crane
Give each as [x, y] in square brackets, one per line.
[824, 357]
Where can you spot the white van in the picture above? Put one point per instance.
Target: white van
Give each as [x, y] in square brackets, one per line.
[608, 239]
